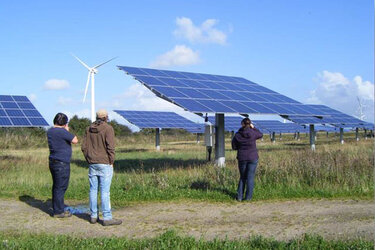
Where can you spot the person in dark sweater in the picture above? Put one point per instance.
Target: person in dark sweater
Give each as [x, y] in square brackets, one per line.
[244, 141]
[59, 143]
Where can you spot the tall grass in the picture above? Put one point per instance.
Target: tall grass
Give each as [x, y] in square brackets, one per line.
[287, 169]
[170, 240]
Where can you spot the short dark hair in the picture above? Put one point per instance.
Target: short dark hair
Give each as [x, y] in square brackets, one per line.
[246, 121]
[60, 119]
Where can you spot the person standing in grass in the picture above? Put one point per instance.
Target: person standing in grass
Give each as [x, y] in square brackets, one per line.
[98, 147]
[59, 143]
[244, 141]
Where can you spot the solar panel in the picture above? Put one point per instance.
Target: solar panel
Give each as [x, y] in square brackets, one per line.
[233, 123]
[18, 111]
[158, 119]
[278, 127]
[328, 116]
[199, 93]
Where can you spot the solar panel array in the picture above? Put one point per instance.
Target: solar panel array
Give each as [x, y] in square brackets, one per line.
[18, 111]
[199, 93]
[278, 127]
[328, 116]
[158, 119]
[233, 123]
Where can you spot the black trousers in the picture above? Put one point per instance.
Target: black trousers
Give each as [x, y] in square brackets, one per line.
[60, 172]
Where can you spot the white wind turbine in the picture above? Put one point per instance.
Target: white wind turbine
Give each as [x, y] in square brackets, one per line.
[91, 75]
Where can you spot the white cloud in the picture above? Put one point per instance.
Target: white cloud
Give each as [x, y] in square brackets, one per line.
[205, 33]
[138, 97]
[84, 113]
[56, 84]
[339, 92]
[180, 55]
[66, 101]
[32, 97]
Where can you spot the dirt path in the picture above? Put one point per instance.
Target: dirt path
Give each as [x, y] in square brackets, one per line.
[337, 219]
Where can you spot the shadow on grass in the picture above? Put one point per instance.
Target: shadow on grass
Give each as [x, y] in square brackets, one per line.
[131, 150]
[44, 206]
[205, 186]
[148, 165]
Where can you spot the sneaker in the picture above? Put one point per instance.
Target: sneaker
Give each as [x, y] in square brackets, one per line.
[111, 222]
[66, 214]
[93, 220]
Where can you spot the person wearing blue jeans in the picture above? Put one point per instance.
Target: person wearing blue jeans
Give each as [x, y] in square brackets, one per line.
[247, 175]
[98, 147]
[59, 143]
[244, 141]
[100, 176]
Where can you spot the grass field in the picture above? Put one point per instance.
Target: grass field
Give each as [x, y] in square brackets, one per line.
[170, 240]
[286, 170]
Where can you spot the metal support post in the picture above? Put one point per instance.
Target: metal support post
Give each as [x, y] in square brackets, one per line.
[273, 137]
[157, 139]
[312, 137]
[198, 138]
[298, 139]
[356, 134]
[342, 135]
[219, 140]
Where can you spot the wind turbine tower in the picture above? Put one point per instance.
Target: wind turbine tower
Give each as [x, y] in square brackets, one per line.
[361, 106]
[91, 76]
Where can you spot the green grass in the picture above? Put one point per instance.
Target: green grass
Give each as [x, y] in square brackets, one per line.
[286, 170]
[170, 240]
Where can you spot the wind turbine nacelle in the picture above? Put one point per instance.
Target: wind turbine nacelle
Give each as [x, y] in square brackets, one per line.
[94, 71]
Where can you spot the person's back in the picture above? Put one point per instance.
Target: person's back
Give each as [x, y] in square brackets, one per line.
[244, 142]
[59, 143]
[98, 147]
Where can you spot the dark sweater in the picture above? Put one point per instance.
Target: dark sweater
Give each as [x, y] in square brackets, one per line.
[244, 142]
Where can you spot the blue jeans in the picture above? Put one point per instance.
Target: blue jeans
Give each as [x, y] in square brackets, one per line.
[247, 175]
[100, 176]
[60, 172]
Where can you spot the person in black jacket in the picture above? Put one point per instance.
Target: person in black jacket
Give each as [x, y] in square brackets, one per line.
[244, 142]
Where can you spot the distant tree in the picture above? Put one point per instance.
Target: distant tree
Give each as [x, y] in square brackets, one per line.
[39, 132]
[78, 125]
[120, 130]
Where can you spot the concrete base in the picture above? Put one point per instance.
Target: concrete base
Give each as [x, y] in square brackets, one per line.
[220, 162]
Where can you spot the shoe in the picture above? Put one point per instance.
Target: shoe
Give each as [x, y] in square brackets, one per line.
[93, 220]
[111, 222]
[66, 214]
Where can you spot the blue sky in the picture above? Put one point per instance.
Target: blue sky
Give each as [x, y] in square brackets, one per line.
[312, 51]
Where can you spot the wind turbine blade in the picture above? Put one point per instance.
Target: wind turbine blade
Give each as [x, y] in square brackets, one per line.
[87, 86]
[97, 66]
[79, 60]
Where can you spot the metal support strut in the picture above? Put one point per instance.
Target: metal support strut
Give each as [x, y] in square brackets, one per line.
[219, 140]
[312, 137]
[342, 135]
[157, 139]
